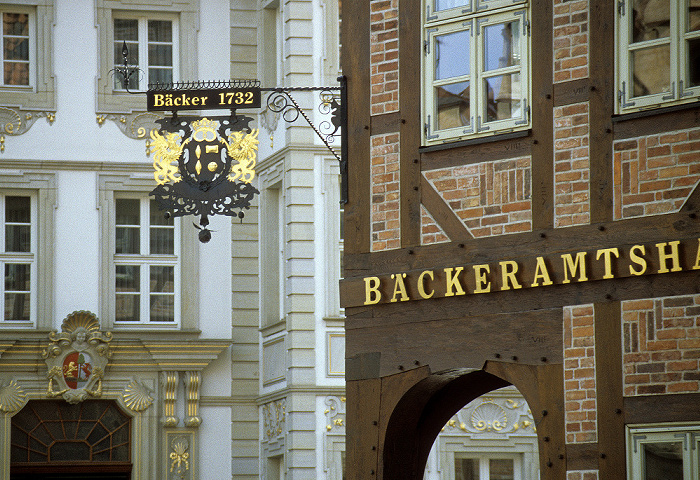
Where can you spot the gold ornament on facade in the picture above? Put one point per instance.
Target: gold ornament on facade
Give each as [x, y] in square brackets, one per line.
[489, 417]
[137, 397]
[12, 397]
[180, 456]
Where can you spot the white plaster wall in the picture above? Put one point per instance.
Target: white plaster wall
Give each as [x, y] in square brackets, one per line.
[214, 444]
[77, 245]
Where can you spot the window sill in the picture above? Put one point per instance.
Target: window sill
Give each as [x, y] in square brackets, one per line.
[475, 141]
[656, 110]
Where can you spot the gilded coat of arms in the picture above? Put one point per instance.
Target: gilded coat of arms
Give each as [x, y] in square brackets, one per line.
[204, 166]
[76, 358]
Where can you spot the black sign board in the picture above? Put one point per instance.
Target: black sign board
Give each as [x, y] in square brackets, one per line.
[203, 99]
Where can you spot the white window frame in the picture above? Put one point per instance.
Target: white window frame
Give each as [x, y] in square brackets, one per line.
[688, 434]
[678, 52]
[26, 258]
[484, 466]
[31, 20]
[143, 43]
[144, 260]
[117, 185]
[41, 187]
[474, 17]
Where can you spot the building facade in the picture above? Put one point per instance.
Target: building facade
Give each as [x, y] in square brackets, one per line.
[128, 349]
[523, 214]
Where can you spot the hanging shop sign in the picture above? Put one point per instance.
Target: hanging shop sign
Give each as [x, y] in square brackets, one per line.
[535, 272]
[183, 98]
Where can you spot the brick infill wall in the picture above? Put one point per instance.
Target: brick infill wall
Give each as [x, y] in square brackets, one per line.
[661, 345]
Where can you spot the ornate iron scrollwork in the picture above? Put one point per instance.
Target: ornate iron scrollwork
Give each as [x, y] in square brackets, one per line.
[204, 167]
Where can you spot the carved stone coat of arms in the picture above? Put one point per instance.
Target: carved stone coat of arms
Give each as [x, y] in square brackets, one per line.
[76, 358]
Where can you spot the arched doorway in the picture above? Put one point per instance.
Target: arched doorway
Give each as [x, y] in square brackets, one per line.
[492, 437]
[425, 408]
[54, 440]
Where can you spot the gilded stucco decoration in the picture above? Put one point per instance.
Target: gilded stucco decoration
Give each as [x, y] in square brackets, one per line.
[335, 414]
[76, 358]
[498, 415]
[274, 418]
[169, 381]
[14, 121]
[179, 458]
[192, 382]
[137, 397]
[12, 397]
[134, 125]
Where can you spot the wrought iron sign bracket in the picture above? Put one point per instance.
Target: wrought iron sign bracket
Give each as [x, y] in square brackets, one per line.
[204, 166]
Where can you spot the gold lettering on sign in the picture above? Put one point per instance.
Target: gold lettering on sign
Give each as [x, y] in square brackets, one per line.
[372, 293]
[482, 283]
[638, 260]
[673, 256]
[421, 284]
[508, 270]
[574, 269]
[399, 287]
[606, 252]
[541, 273]
[570, 267]
[452, 282]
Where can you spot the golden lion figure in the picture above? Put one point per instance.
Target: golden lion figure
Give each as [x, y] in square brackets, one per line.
[243, 148]
[167, 151]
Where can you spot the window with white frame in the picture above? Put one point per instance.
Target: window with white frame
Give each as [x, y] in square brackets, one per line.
[152, 48]
[658, 57]
[668, 452]
[487, 467]
[159, 36]
[18, 258]
[475, 68]
[18, 41]
[146, 263]
[27, 80]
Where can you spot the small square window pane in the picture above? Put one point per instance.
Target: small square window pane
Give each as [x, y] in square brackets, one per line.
[15, 24]
[651, 70]
[663, 461]
[18, 210]
[652, 20]
[452, 55]
[17, 277]
[162, 241]
[16, 49]
[693, 17]
[160, 75]
[157, 216]
[18, 238]
[15, 73]
[693, 63]
[126, 29]
[128, 278]
[503, 97]
[160, 55]
[162, 279]
[162, 308]
[502, 45]
[160, 31]
[128, 211]
[453, 105]
[448, 4]
[127, 240]
[501, 469]
[127, 308]
[467, 469]
[17, 306]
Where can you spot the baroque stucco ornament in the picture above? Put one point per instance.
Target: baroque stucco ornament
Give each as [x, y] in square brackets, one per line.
[76, 358]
